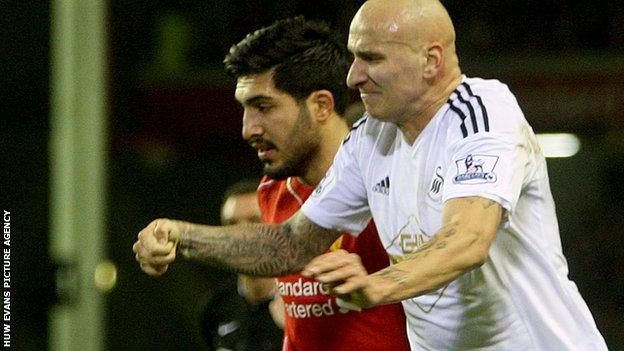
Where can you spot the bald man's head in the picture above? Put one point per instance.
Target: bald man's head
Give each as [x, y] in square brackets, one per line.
[411, 22]
[405, 60]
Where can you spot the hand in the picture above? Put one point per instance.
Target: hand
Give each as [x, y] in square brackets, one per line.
[156, 245]
[344, 274]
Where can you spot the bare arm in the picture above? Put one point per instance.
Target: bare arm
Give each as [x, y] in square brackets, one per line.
[253, 249]
[462, 244]
[258, 249]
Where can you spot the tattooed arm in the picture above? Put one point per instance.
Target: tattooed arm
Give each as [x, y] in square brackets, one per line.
[254, 249]
[462, 244]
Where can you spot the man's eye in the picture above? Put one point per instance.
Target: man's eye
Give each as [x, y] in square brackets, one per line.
[264, 108]
[370, 58]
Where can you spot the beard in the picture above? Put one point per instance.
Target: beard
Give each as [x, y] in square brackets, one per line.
[302, 145]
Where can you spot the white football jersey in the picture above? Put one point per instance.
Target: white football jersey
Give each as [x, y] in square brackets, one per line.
[477, 144]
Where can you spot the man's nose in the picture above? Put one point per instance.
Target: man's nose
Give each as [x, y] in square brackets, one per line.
[251, 125]
[357, 74]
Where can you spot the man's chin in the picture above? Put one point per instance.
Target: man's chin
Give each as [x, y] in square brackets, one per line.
[377, 115]
[377, 112]
[277, 173]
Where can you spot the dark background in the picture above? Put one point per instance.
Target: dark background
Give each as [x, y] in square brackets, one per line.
[175, 141]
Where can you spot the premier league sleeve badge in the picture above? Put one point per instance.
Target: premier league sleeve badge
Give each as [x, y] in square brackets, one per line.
[476, 169]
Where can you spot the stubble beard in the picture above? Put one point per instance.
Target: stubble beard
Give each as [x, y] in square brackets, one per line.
[304, 143]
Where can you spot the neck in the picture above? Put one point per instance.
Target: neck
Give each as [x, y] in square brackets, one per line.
[333, 133]
[438, 96]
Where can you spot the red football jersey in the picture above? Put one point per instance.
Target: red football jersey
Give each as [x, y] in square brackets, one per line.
[313, 321]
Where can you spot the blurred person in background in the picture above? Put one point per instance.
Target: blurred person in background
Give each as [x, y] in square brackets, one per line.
[238, 318]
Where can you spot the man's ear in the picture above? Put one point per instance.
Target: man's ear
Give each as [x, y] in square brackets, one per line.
[435, 60]
[321, 105]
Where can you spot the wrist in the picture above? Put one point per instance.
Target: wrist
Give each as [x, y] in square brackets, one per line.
[181, 237]
[377, 290]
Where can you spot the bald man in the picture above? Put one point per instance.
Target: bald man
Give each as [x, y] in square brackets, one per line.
[452, 174]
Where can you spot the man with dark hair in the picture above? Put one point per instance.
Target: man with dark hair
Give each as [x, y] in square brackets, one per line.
[291, 84]
[237, 317]
[304, 56]
[305, 62]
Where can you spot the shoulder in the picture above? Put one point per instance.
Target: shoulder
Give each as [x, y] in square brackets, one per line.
[368, 133]
[357, 128]
[481, 107]
[492, 93]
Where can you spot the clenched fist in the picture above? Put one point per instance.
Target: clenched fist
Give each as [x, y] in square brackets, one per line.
[156, 245]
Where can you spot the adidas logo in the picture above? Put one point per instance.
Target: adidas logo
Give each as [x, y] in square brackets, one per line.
[383, 187]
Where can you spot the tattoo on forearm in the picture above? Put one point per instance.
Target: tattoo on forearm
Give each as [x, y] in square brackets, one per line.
[440, 244]
[394, 274]
[448, 231]
[257, 249]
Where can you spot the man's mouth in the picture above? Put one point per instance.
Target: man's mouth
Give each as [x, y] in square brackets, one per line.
[365, 94]
[264, 154]
[265, 149]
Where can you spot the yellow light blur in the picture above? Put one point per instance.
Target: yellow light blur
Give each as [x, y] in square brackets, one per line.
[105, 276]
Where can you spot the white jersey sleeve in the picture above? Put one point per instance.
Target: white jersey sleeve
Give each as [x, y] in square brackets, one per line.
[495, 163]
[339, 201]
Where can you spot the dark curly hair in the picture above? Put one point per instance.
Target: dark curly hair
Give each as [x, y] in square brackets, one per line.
[305, 56]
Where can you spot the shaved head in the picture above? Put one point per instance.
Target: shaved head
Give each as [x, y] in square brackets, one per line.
[405, 62]
[410, 22]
